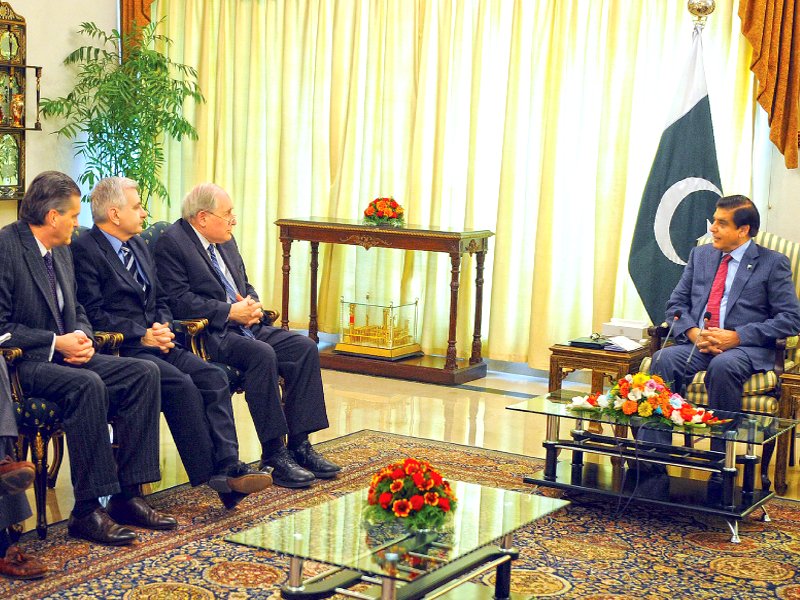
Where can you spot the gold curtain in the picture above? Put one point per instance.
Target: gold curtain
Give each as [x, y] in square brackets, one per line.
[536, 120]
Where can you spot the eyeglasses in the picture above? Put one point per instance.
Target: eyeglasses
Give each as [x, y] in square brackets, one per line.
[229, 220]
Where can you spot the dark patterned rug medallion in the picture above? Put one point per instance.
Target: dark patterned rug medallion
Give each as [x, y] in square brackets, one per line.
[591, 550]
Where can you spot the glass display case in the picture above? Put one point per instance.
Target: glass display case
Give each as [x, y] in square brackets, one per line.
[13, 102]
[383, 331]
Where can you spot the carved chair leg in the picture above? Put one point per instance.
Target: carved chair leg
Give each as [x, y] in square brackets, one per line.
[39, 456]
[58, 457]
[767, 451]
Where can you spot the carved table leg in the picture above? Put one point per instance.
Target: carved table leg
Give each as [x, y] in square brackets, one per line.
[476, 334]
[287, 251]
[450, 361]
[313, 326]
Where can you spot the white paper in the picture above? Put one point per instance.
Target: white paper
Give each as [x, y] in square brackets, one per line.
[4, 337]
[622, 343]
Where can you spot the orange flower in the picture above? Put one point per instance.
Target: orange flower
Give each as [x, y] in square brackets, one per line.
[629, 407]
[396, 486]
[370, 210]
[431, 498]
[401, 508]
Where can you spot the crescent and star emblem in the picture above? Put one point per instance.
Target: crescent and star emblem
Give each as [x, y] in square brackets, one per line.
[670, 201]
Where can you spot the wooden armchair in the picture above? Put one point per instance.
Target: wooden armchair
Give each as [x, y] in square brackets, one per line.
[762, 394]
[40, 427]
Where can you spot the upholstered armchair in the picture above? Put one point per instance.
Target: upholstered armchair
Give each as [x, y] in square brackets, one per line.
[762, 391]
[40, 427]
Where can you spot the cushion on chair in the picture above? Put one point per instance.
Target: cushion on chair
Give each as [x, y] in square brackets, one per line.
[33, 413]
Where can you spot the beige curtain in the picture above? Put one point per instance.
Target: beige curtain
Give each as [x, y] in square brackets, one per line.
[536, 120]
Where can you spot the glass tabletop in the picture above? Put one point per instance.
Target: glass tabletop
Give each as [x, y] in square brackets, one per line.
[336, 533]
[743, 427]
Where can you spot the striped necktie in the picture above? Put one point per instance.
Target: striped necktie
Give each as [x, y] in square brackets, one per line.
[51, 277]
[229, 291]
[129, 260]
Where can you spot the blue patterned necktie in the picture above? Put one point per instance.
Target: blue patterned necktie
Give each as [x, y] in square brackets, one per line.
[129, 260]
[229, 291]
[51, 276]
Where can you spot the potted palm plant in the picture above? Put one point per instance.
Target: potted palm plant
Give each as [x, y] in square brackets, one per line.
[127, 96]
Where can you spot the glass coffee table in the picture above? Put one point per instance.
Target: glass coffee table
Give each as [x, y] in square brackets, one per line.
[628, 473]
[394, 562]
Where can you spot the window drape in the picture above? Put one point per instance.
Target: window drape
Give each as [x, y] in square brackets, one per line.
[536, 120]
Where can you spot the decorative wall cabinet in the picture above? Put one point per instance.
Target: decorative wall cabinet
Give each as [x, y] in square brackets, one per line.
[15, 89]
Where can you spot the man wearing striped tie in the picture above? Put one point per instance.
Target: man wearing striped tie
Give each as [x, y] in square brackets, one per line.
[203, 276]
[118, 286]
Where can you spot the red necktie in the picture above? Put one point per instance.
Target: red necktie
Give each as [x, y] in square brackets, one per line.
[717, 290]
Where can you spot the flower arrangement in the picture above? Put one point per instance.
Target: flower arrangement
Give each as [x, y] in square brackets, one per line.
[411, 491]
[646, 396]
[384, 211]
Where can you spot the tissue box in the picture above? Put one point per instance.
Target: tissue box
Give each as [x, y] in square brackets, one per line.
[636, 330]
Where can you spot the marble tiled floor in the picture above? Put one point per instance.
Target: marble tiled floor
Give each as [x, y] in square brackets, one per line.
[472, 414]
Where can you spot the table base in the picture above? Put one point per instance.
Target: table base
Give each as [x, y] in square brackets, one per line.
[427, 369]
[663, 490]
[439, 579]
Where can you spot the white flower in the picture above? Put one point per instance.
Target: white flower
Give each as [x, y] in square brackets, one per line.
[602, 401]
[581, 402]
[618, 402]
[649, 392]
[676, 417]
[635, 394]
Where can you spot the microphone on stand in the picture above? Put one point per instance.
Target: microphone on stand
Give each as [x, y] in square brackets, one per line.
[706, 319]
[675, 318]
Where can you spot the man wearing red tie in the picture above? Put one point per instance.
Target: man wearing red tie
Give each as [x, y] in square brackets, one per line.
[749, 293]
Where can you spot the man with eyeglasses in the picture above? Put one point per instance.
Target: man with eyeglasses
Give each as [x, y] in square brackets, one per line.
[203, 276]
[118, 287]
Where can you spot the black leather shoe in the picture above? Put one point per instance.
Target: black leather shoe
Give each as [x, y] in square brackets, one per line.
[139, 513]
[308, 458]
[240, 477]
[98, 527]
[230, 500]
[286, 472]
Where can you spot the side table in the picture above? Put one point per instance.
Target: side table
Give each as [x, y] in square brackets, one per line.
[565, 359]
[790, 393]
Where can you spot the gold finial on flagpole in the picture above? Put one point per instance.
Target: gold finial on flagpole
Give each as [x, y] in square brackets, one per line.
[701, 9]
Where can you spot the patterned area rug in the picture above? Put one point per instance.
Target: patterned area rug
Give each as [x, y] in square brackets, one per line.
[591, 550]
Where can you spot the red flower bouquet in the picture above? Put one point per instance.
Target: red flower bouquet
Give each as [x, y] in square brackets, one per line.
[411, 491]
[384, 211]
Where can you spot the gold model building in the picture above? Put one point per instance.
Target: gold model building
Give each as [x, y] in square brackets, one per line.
[379, 331]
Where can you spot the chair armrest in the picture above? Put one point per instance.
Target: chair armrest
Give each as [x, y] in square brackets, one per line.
[11, 356]
[108, 342]
[657, 334]
[270, 316]
[193, 330]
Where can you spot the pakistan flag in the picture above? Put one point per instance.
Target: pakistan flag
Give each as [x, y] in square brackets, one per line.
[680, 193]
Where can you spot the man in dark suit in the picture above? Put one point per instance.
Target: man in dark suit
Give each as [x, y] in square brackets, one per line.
[118, 287]
[203, 276]
[38, 307]
[749, 293]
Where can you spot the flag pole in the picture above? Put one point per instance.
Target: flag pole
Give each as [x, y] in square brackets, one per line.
[701, 9]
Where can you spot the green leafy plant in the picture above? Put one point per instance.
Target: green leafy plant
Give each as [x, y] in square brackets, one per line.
[128, 95]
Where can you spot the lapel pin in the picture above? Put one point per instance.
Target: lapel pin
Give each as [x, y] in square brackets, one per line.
[749, 267]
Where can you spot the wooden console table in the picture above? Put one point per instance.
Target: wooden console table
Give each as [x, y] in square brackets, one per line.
[449, 369]
[790, 394]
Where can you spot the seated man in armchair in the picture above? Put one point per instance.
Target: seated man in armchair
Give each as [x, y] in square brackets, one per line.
[203, 276]
[748, 293]
[118, 287]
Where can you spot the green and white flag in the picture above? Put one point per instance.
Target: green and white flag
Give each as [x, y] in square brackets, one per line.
[680, 193]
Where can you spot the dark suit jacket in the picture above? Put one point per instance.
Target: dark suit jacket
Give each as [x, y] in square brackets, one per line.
[27, 307]
[113, 300]
[189, 283]
[762, 303]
